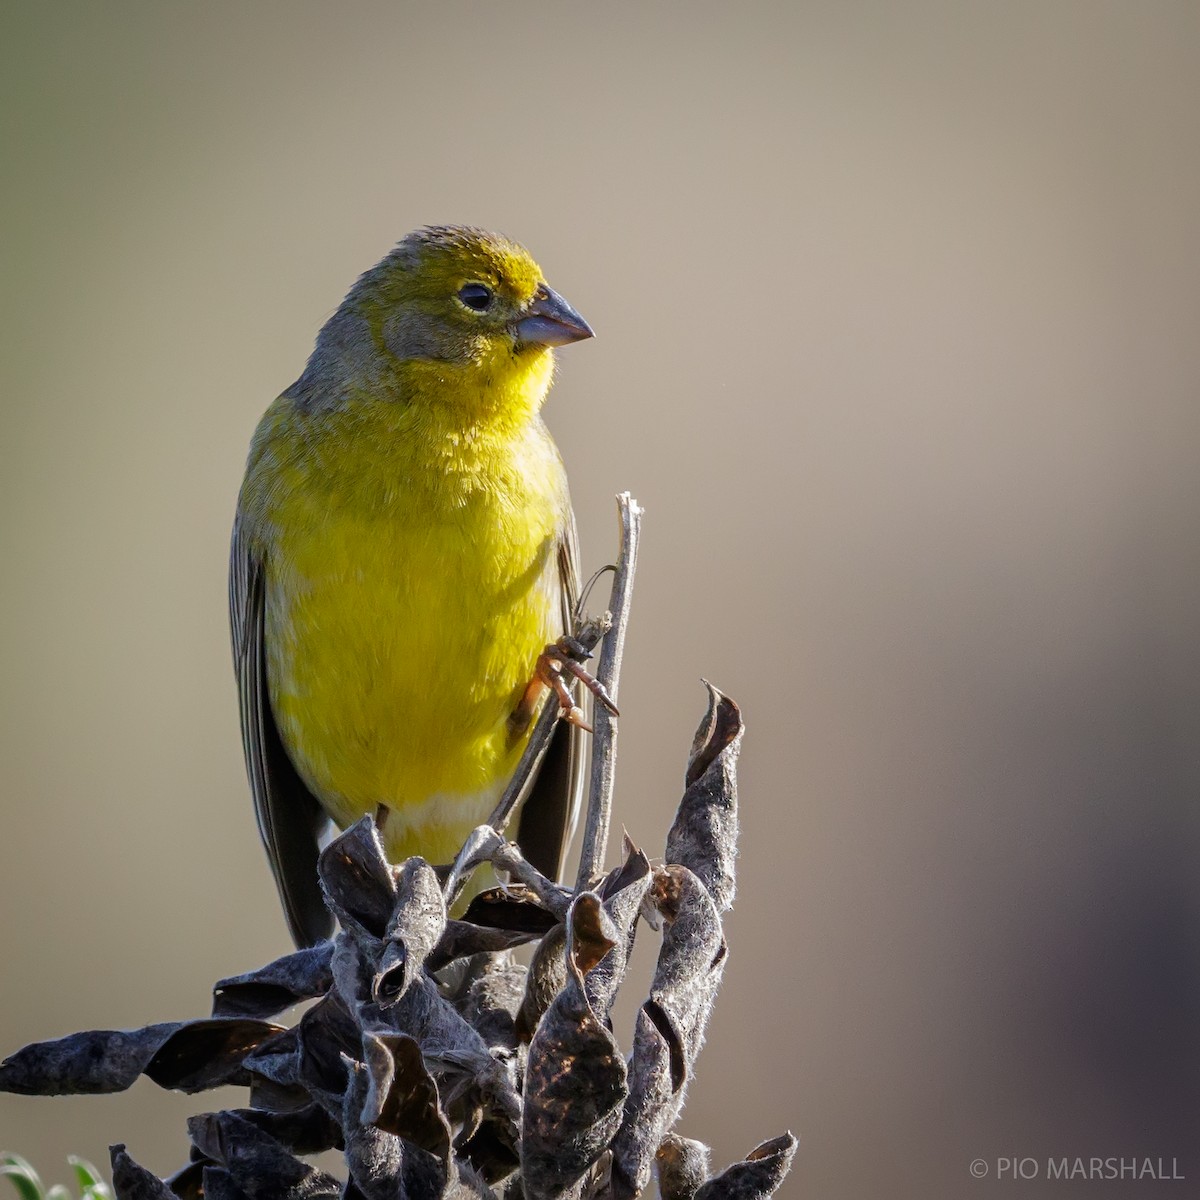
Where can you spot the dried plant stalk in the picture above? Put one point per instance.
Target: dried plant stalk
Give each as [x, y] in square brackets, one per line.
[604, 742]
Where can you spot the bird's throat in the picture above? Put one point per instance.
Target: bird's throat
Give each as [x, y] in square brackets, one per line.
[502, 389]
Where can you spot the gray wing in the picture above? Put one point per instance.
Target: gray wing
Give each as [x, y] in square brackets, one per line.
[290, 819]
[551, 810]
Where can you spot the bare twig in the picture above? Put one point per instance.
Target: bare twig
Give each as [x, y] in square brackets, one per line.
[484, 845]
[590, 632]
[508, 857]
[604, 741]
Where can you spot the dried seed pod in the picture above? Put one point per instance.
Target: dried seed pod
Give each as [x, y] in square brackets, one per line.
[703, 837]
[489, 998]
[357, 880]
[414, 928]
[575, 1079]
[402, 1097]
[623, 892]
[461, 939]
[257, 1164]
[414, 1057]
[217, 1184]
[386, 1097]
[757, 1176]
[546, 977]
[131, 1181]
[682, 1165]
[275, 1058]
[277, 986]
[671, 1023]
[308, 1130]
[514, 907]
[188, 1182]
[327, 1038]
[184, 1056]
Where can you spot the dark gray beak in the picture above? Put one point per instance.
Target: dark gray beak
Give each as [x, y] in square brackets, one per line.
[551, 321]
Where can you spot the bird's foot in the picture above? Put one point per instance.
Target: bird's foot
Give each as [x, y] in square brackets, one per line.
[560, 660]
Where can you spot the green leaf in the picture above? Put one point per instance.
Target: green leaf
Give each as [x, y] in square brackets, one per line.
[91, 1182]
[59, 1192]
[22, 1176]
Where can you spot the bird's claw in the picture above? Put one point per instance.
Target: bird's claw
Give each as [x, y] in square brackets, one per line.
[560, 659]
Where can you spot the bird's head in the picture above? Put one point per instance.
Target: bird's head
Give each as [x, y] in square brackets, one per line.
[456, 310]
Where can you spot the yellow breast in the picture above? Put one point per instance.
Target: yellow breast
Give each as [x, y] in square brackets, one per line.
[412, 580]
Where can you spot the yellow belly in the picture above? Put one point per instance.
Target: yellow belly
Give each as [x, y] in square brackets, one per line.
[402, 626]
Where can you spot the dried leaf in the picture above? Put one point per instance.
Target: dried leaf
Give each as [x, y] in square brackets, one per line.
[460, 939]
[258, 1165]
[515, 907]
[131, 1181]
[309, 1130]
[682, 1165]
[402, 1097]
[186, 1056]
[575, 1080]
[546, 977]
[188, 1182]
[208, 1053]
[490, 997]
[703, 837]
[327, 1036]
[357, 879]
[670, 1026]
[624, 891]
[277, 986]
[218, 1185]
[383, 1165]
[414, 929]
[757, 1176]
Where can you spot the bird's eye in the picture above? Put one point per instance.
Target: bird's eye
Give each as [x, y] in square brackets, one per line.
[475, 296]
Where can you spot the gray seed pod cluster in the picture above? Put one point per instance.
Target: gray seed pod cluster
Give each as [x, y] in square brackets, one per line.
[439, 1064]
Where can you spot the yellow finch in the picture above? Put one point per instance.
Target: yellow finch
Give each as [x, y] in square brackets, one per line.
[403, 550]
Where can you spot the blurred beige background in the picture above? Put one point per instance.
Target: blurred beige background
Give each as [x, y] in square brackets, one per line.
[897, 311]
